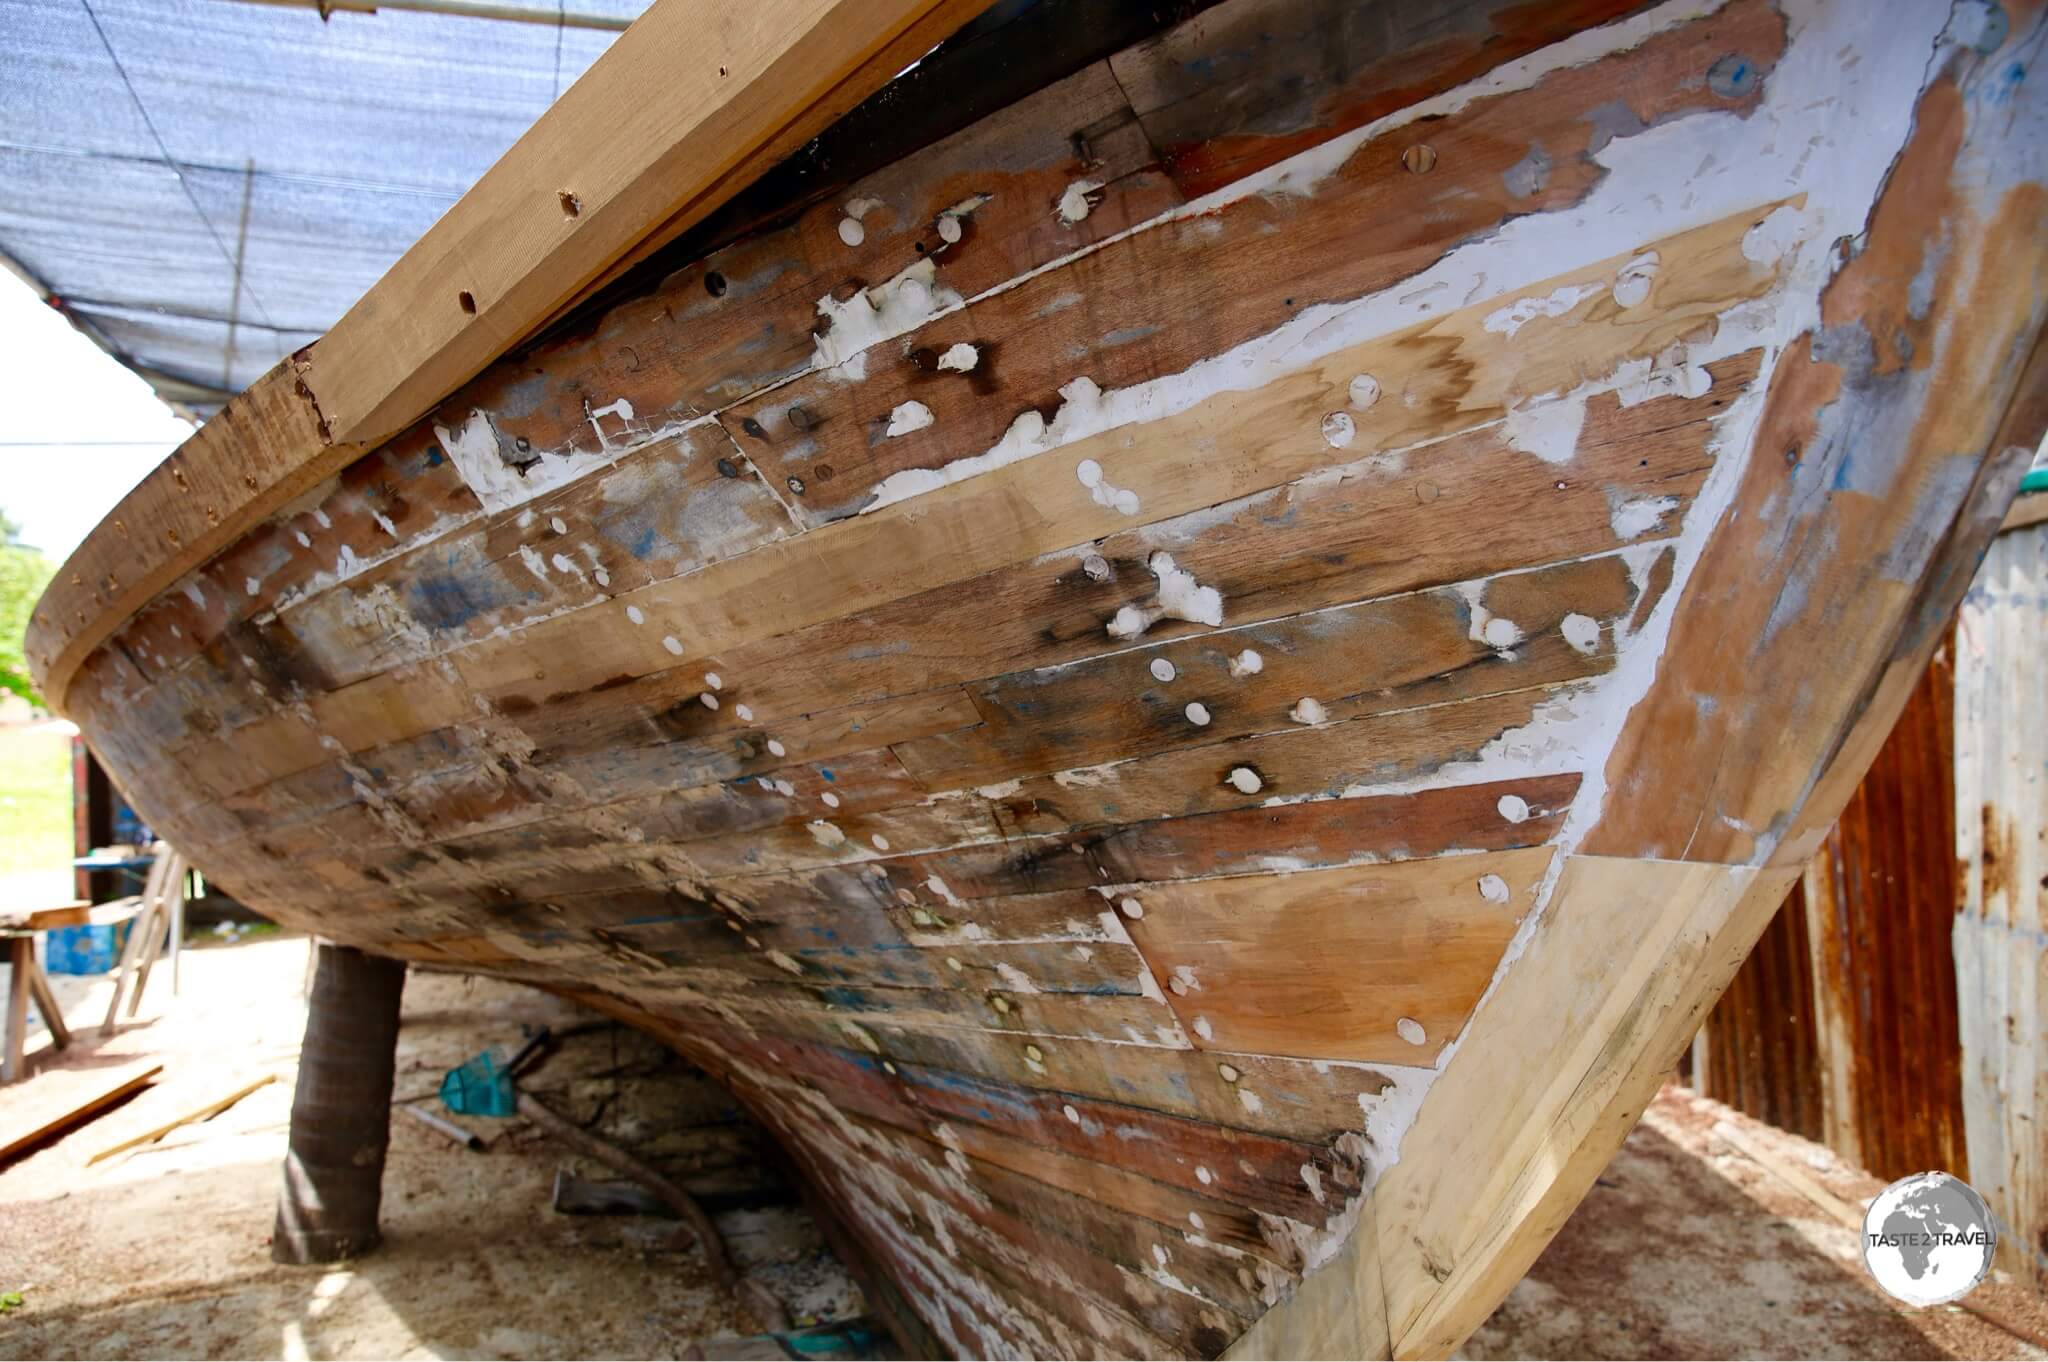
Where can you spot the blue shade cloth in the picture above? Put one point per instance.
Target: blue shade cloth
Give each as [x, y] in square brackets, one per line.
[132, 132]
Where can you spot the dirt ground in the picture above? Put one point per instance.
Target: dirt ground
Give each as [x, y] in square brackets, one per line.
[1687, 1247]
[163, 1251]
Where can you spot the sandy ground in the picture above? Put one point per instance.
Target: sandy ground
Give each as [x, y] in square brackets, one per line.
[1687, 1247]
[164, 1251]
[1690, 1247]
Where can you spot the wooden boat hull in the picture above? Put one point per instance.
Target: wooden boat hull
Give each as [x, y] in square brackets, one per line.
[1191, 690]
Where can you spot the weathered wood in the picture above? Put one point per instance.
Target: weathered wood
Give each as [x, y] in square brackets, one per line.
[1126, 314]
[1777, 783]
[1076, 837]
[634, 146]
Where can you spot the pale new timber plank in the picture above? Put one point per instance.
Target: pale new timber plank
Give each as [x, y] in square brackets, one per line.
[1379, 963]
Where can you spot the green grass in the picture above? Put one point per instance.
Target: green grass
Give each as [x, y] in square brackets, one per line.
[35, 812]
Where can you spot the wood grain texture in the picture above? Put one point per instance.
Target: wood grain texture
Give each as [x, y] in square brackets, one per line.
[629, 146]
[1858, 444]
[1441, 1269]
[1377, 963]
[638, 145]
[261, 450]
[1150, 303]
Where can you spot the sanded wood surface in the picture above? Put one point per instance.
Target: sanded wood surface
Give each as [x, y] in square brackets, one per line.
[63, 1098]
[1189, 690]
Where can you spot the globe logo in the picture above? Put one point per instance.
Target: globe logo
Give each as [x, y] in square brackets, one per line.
[1928, 1239]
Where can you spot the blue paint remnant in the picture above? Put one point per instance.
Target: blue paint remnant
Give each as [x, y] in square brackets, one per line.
[434, 459]
[446, 602]
[826, 772]
[658, 919]
[1732, 77]
[990, 1096]
[841, 996]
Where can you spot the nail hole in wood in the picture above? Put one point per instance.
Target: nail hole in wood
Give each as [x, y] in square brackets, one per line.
[571, 205]
[468, 302]
[1420, 159]
[714, 283]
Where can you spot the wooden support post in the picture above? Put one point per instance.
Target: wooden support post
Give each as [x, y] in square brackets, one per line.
[341, 1111]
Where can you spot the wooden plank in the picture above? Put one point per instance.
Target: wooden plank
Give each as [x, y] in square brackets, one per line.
[44, 919]
[627, 148]
[667, 508]
[258, 452]
[1550, 1076]
[1022, 158]
[602, 648]
[2029, 508]
[1295, 74]
[1962, 192]
[1772, 580]
[1120, 316]
[1375, 963]
[636, 144]
[86, 1094]
[204, 1113]
[14, 1039]
[1352, 661]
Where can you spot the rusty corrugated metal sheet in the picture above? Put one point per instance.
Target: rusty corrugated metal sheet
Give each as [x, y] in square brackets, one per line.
[2002, 833]
[1761, 1055]
[1842, 1025]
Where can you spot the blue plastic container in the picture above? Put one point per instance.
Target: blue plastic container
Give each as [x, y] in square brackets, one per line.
[480, 1088]
[85, 949]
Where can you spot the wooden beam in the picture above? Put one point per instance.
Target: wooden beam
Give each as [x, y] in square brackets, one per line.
[690, 106]
[96, 1098]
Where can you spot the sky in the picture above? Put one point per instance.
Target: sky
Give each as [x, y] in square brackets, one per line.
[76, 429]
